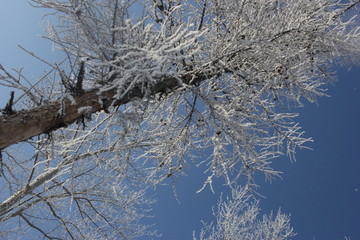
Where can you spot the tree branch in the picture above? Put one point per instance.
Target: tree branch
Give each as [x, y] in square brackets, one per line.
[26, 124]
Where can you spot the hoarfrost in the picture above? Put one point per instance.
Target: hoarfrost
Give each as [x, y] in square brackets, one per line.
[85, 110]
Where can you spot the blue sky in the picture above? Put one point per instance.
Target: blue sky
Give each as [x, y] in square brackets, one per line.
[321, 189]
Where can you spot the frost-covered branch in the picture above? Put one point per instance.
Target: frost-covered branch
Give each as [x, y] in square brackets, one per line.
[238, 218]
[149, 88]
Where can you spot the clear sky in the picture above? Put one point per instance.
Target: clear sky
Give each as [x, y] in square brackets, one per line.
[321, 189]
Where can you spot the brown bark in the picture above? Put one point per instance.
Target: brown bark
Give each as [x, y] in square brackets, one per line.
[26, 124]
[29, 123]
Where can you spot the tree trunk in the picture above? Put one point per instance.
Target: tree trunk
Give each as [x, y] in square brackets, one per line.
[26, 124]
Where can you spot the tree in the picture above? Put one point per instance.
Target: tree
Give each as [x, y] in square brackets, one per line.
[147, 85]
[237, 219]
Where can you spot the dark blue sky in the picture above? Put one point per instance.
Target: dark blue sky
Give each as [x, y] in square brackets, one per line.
[321, 190]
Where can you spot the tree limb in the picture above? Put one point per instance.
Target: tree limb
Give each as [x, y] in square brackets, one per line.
[26, 124]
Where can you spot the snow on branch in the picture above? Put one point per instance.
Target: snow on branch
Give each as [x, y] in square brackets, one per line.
[168, 84]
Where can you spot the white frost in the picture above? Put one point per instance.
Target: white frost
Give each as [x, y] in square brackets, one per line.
[85, 110]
